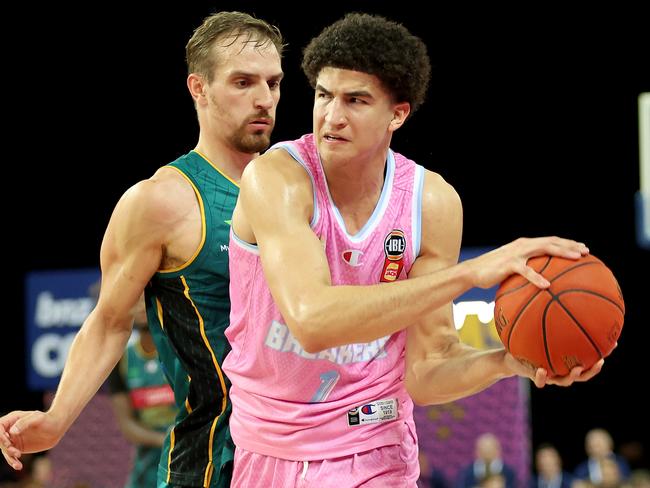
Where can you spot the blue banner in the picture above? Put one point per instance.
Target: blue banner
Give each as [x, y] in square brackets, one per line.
[57, 304]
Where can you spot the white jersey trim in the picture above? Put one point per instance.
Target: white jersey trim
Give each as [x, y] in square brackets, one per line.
[246, 246]
[288, 147]
[416, 210]
[380, 208]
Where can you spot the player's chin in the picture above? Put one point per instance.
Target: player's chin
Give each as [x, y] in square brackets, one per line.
[254, 143]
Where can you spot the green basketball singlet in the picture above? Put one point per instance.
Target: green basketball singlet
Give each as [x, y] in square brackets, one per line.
[188, 311]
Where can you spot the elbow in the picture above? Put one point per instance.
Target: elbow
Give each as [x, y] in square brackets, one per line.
[416, 392]
[309, 339]
[419, 389]
[110, 321]
[413, 387]
[418, 400]
[422, 398]
[313, 347]
[309, 331]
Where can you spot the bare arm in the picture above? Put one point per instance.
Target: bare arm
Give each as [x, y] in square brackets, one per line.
[274, 210]
[129, 425]
[131, 253]
[440, 368]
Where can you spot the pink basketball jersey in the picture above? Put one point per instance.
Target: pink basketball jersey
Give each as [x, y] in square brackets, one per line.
[291, 404]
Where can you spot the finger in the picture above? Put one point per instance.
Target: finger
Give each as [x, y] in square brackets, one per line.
[4, 438]
[561, 380]
[567, 248]
[541, 376]
[12, 461]
[567, 380]
[593, 371]
[13, 452]
[534, 277]
[24, 423]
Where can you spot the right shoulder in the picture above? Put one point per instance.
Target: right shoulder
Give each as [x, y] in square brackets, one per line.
[274, 189]
[164, 198]
[273, 169]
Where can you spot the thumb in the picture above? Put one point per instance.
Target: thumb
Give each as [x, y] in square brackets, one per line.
[24, 423]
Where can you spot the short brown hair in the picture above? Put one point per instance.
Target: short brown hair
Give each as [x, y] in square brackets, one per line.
[198, 51]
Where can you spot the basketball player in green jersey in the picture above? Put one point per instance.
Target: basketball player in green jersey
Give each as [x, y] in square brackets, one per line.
[169, 235]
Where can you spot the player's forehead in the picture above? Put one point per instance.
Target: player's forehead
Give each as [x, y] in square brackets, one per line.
[342, 81]
[247, 54]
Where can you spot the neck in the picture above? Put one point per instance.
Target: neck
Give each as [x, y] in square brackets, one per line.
[225, 158]
[348, 187]
[348, 180]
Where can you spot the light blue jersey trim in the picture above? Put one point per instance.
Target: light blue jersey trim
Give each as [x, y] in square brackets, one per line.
[295, 155]
[416, 210]
[246, 246]
[380, 208]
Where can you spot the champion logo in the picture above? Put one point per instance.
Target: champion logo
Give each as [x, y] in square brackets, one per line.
[352, 257]
[368, 409]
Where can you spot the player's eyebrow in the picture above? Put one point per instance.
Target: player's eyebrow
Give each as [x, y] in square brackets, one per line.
[354, 93]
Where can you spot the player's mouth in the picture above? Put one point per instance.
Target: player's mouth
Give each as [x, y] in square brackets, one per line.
[333, 138]
[261, 123]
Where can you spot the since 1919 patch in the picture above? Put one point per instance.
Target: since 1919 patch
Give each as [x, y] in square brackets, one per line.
[373, 412]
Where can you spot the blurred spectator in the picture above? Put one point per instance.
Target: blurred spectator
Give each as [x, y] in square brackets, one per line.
[424, 480]
[143, 402]
[548, 465]
[430, 478]
[37, 473]
[610, 473]
[487, 462]
[582, 484]
[640, 478]
[634, 453]
[493, 481]
[600, 447]
[437, 479]
[41, 473]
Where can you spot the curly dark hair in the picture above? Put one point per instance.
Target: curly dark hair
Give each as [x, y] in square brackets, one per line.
[375, 45]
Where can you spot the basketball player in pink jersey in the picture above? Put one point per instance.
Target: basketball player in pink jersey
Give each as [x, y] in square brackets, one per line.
[330, 340]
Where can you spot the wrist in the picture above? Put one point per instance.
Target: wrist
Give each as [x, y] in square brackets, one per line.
[58, 420]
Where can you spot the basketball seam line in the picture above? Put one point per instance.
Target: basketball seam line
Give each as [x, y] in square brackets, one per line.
[568, 312]
[514, 323]
[604, 297]
[563, 272]
[526, 282]
[546, 351]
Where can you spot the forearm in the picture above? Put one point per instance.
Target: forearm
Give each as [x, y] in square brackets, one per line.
[444, 378]
[94, 353]
[338, 315]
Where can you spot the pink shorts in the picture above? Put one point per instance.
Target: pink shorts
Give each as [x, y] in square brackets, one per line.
[387, 466]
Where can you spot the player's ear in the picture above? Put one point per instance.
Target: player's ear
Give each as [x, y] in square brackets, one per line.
[400, 113]
[197, 86]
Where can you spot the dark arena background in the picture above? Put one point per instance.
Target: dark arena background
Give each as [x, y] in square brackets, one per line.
[531, 115]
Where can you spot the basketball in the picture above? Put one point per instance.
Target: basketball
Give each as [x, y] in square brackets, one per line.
[574, 322]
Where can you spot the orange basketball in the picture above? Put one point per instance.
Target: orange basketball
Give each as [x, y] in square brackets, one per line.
[575, 322]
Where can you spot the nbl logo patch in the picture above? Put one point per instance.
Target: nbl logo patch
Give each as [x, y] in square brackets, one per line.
[394, 247]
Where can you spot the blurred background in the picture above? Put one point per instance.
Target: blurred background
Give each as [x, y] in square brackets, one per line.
[531, 116]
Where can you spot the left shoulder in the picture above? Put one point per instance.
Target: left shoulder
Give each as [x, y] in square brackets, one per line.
[439, 197]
